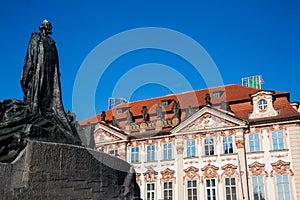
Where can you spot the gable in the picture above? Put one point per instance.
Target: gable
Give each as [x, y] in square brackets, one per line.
[208, 119]
[104, 134]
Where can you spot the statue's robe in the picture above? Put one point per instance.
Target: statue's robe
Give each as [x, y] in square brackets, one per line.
[40, 82]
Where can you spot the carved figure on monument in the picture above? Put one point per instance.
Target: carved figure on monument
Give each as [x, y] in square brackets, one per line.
[145, 113]
[159, 113]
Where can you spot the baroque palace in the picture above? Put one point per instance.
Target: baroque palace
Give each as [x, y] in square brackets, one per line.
[230, 142]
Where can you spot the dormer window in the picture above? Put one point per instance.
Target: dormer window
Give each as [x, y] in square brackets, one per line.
[217, 94]
[262, 105]
[119, 111]
[164, 103]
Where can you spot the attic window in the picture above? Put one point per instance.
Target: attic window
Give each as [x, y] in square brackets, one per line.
[217, 94]
[119, 111]
[164, 103]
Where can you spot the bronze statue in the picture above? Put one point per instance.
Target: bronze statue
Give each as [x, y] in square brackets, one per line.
[41, 116]
[40, 79]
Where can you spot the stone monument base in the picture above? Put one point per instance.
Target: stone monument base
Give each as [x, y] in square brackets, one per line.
[59, 171]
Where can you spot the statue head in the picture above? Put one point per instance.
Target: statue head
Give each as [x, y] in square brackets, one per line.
[46, 27]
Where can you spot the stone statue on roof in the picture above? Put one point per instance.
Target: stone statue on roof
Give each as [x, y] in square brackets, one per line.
[159, 113]
[145, 113]
[207, 99]
[129, 117]
[176, 109]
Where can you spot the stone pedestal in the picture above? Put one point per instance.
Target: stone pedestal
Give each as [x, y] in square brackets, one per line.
[59, 171]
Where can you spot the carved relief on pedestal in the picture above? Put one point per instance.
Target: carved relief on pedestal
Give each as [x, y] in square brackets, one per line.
[257, 169]
[229, 170]
[281, 167]
[210, 171]
[150, 175]
[191, 173]
[167, 175]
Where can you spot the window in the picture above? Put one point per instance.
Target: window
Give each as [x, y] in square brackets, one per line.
[230, 188]
[192, 189]
[119, 111]
[135, 154]
[217, 94]
[150, 191]
[209, 146]
[211, 189]
[283, 188]
[150, 153]
[262, 105]
[227, 144]
[277, 138]
[114, 152]
[164, 103]
[258, 188]
[254, 142]
[167, 151]
[190, 148]
[168, 190]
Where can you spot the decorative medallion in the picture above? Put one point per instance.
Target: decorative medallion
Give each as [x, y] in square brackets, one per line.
[167, 175]
[179, 149]
[191, 173]
[210, 171]
[281, 167]
[150, 175]
[229, 170]
[257, 169]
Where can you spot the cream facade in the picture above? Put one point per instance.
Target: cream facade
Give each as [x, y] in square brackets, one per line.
[214, 153]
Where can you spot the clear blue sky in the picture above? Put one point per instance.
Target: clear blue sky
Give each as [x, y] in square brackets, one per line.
[243, 38]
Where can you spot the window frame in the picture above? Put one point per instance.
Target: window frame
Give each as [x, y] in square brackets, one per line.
[279, 141]
[191, 150]
[226, 143]
[211, 189]
[150, 153]
[168, 190]
[255, 141]
[260, 184]
[262, 105]
[135, 154]
[207, 147]
[167, 151]
[230, 186]
[193, 188]
[285, 186]
[151, 191]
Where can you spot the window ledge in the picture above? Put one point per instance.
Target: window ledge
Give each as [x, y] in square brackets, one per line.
[255, 152]
[228, 154]
[279, 150]
[167, 160]
[136, 163]
[190, 157]
[152, 161]
[208, 156]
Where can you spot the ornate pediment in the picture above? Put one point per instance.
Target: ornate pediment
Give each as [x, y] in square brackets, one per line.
[167, 175]
[191, 173]
[257, 169]
[208, 119]
[210, 171]
[281, 167]
[104, 133]
[150, 175]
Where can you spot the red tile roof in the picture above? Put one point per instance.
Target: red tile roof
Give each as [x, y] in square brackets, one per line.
[237, 96]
